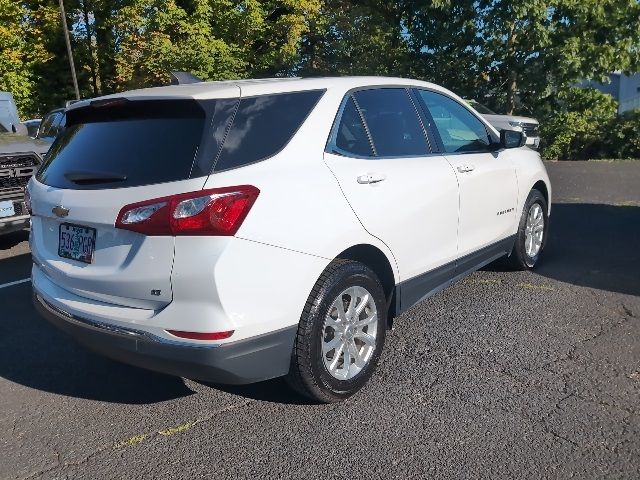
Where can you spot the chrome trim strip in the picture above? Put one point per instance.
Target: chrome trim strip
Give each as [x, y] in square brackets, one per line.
[92, 323]
[116, 329]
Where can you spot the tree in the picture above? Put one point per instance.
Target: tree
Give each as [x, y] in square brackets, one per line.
[359, 38]
[509, 50]
[214, 39]
[20, 52]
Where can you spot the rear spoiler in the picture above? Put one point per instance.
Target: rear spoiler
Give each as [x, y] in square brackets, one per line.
[183, 78]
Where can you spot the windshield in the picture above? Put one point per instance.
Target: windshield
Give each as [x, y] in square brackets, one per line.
[481, 108]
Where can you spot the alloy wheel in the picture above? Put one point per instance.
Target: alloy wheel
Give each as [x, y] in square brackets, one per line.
[349, 333]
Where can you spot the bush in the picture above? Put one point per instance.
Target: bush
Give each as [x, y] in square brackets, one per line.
[575, 129]
[623, 135]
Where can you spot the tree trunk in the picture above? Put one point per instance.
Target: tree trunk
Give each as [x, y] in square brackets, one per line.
[105, 46]
[92, 57]
[511, 92]
[510, 63]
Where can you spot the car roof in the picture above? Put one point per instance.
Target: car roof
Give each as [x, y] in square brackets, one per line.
[55, 110]
[253, 87]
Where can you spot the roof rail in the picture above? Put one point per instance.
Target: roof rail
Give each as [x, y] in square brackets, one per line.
[183, 78]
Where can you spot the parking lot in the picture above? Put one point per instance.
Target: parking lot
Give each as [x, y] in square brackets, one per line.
[505, 374]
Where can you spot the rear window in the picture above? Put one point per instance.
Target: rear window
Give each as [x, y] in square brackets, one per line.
[120, 143]
[263, 125]
[132, 144]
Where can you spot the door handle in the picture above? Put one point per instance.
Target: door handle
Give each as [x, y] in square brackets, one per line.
[466, 168]
[371, 178]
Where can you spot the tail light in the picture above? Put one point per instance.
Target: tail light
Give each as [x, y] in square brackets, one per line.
[217, 211]
[27, 200]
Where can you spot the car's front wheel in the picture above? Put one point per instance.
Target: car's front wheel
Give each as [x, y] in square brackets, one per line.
[341, 333]
[532, 232]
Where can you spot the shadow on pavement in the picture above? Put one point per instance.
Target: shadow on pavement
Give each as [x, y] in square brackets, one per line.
[17, 267]
[35, 354]
[12, 239]
[276, 391]
[594, 245]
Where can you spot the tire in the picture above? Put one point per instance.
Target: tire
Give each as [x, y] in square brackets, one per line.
[321, 326]
[522, 258]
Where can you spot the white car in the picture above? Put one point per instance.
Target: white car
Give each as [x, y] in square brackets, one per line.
[244, 230]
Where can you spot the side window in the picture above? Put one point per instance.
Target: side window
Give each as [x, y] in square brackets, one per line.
[58, 125]
[351, 135]
[459, 129]
[393, 122]
[47, 125]
[263, 125]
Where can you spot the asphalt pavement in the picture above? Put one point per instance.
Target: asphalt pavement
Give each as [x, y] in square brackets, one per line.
[503, 375]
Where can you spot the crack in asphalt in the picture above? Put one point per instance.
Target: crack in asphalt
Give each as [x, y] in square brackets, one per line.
[163, 433]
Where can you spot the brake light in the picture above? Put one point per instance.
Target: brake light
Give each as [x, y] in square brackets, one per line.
[201, 335]
[217, 211]
[27, 200]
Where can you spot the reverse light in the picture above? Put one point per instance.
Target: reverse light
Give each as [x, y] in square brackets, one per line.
[140, 214]
[201, 335]
[217, 211]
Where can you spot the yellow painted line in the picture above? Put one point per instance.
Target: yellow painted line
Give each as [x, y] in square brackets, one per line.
[534, 287]
[167, 432]
[483, 281]
[131, 441]
[178, 429]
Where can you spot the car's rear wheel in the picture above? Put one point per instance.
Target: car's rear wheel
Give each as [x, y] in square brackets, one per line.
[341, 333]
[532, 233]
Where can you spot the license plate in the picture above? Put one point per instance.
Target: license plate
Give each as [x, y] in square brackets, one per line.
[77, 242]
[7, 209]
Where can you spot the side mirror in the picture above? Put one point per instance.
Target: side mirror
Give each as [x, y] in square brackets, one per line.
[512, 139]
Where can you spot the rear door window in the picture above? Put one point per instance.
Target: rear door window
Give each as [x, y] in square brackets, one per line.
[137, 143]
[351, 136]
[263, 125]
[393, 122]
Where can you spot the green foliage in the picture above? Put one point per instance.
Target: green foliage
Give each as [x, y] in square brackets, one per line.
[623, 136]
[585, 125]
[514, 56]
[158, 36]
[20, 52]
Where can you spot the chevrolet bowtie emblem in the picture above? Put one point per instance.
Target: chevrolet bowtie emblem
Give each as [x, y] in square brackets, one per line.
[60, 211]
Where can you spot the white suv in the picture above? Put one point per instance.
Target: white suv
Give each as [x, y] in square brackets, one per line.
[238, 231]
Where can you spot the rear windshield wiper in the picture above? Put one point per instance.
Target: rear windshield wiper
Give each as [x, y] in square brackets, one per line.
[87, 178]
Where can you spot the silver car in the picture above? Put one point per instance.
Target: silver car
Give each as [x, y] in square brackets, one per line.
[527, 125]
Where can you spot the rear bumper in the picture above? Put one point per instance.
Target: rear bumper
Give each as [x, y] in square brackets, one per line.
[245, 361]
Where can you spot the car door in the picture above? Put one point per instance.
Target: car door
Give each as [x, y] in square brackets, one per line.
[486, 176]
[402, 194]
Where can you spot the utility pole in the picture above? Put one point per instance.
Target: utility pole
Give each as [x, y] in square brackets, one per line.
[70, 53]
